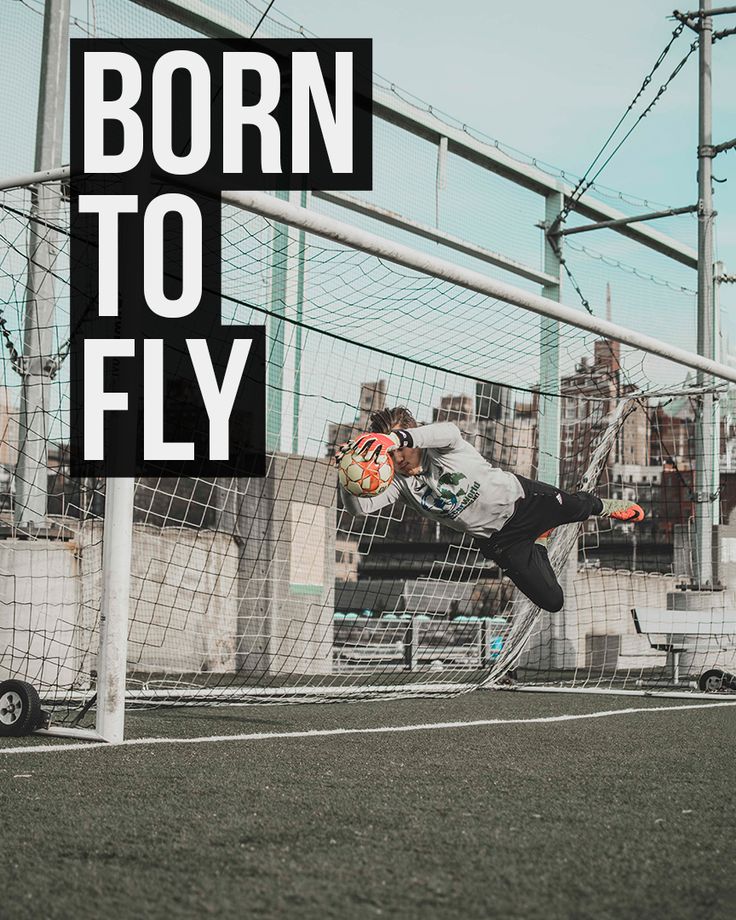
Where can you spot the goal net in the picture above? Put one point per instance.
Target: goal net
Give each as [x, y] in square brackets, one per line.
[267, 590]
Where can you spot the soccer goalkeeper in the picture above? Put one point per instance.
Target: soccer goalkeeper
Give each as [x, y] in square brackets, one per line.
[446, 479]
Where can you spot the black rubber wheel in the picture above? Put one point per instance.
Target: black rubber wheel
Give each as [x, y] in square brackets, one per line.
[714, 680]
[20, 708]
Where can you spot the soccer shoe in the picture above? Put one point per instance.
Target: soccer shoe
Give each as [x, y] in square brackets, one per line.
[543, 537]
[621, 510]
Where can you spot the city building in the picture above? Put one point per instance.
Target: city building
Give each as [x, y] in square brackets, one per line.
[372, 398]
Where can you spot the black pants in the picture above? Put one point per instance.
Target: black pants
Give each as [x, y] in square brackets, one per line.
[525, 562]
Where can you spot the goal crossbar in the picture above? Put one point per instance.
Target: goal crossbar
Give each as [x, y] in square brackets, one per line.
[329, 228]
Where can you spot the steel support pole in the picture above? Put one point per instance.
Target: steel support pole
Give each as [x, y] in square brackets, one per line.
[715, 458]
[31, 473]
[284, 357]
[548, 428]
[275, 350]
[301, 255]
[117, 551]
[706, 476]
[548, 466]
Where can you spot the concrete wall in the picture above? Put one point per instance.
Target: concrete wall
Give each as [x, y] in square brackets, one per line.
[603, 600]
[183, 611]
[45, 635]
[595, 631]
[286, 525]
[598, 603]
[257, 599]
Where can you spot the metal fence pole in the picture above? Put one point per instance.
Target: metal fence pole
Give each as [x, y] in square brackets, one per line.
[117, 549]
[706, 432]
[548, 467]
[31, 475]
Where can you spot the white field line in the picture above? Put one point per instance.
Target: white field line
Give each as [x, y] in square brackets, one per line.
[338, 732]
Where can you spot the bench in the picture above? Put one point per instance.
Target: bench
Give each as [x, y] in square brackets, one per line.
[677, 631]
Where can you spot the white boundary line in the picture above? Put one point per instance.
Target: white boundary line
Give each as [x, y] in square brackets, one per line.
[651, 693]
[337, 732]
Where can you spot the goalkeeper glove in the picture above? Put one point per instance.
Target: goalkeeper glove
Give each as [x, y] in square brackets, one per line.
[373, 446]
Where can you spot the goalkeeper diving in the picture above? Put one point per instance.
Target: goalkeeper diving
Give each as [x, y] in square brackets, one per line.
[443, 477]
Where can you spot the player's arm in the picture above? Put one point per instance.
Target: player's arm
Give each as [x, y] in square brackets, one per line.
[438, 435]
[369, 504]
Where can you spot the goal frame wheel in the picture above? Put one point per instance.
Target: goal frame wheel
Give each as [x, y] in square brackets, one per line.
[20, 708]
[715, 679]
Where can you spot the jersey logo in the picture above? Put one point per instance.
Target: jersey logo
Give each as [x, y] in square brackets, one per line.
[447, 497]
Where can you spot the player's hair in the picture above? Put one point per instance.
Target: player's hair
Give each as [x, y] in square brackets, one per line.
[384, 420]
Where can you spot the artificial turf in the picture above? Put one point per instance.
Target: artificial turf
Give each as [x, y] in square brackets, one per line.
[625, 816]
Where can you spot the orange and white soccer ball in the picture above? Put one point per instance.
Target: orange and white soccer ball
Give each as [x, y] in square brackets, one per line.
[365, 477]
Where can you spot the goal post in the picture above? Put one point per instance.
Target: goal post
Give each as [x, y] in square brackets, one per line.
[117, 542]
[213, 591]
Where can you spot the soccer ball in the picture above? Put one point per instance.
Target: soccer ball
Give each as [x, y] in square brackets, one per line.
[365, 477]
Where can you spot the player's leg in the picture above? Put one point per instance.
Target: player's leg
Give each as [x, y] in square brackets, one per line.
[545, 507]
[527, 565]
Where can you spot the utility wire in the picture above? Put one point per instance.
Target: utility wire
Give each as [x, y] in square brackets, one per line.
[265, 13]
[646, 111]
[584, 183]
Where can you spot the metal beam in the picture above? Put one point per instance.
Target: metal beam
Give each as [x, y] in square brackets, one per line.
[607, 224]
[726, 145]
[685, 20]
[198, 17]
[207, 21]
[393, 219]
[426, 125]
[719, 11]
[43, 175]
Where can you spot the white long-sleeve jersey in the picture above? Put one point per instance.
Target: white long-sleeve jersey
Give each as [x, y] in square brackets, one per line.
[456, 486]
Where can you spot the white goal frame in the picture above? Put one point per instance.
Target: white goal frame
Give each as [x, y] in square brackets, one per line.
[118, 525]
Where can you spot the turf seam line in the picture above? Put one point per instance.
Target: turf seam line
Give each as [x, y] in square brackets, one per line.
[332, 732]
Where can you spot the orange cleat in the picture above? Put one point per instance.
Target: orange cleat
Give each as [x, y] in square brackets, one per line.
[622, 510]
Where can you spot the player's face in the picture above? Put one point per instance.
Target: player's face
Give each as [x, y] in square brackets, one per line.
[408, 460]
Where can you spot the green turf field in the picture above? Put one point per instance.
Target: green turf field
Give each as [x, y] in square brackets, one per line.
[625, 815]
